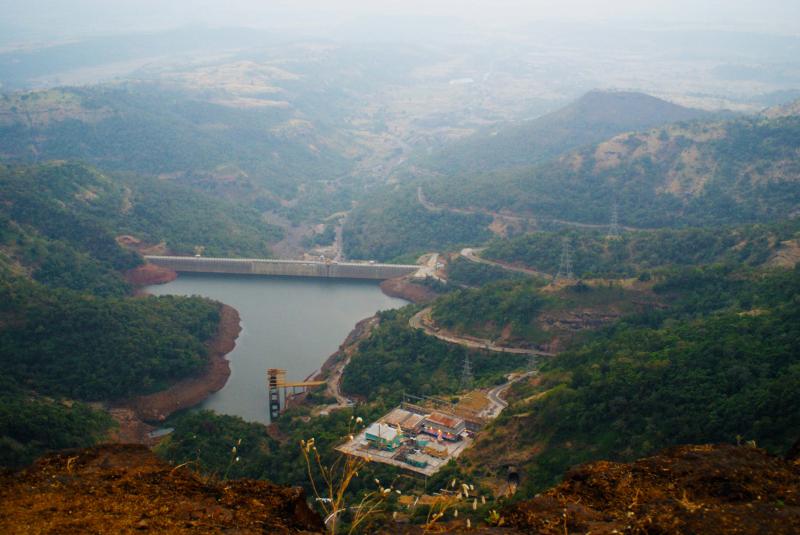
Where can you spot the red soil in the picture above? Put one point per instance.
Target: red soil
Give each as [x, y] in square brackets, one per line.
[127, 489]
[405, 289]
[149, 274]
[710, 489]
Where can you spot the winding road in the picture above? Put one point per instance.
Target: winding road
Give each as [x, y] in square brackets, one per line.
[472, 255]
[422, 320]
[496, 403]
[500, 215]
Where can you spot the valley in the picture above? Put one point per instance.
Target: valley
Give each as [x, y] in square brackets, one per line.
[546, 252]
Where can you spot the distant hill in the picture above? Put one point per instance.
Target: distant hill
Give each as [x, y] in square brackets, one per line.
[391, 224]
[255, 148]
[687, 174]
[595, 116]
[701, 173]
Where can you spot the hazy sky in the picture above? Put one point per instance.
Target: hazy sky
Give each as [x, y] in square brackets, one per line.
[65, 17]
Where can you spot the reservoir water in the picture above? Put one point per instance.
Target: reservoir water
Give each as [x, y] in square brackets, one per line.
[289, 323]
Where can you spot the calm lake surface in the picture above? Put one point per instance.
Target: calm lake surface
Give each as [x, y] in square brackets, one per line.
[289, 323]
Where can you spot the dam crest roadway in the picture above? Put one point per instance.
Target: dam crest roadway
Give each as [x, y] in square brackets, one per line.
[285, 268]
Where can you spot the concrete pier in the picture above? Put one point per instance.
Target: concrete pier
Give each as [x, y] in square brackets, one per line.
[285, 268]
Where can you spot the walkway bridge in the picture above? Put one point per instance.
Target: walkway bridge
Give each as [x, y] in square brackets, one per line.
[285, 268]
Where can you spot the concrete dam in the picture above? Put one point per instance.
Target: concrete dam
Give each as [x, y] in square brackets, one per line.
[284, 268]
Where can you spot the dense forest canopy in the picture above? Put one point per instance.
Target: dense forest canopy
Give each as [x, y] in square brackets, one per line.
[632, 253]
[463, 272]
[486, 311]
[69, 332]
[91, 348]
[31, 425]
[721, 362]
[397, 359]
[388, 226]
[73, 203]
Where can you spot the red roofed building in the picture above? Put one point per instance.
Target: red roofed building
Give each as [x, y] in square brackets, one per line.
[449, 427]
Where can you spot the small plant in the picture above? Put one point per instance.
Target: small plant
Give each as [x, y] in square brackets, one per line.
[451, 499]
[336, 479]
[494, 519]
[234, 458]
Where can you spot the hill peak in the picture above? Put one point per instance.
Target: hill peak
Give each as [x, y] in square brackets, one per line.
[629, 109]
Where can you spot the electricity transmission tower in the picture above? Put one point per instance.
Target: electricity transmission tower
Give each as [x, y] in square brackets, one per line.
[466, 374]
[565, 268]
[613, 228]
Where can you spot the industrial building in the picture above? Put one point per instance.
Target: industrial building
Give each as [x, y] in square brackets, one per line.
[383, 436]
[417, 438]
[443, 426]
[409, 422]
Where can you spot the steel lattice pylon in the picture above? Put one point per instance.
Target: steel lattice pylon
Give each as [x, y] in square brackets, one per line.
[613, 228]
[466, 374]
[565, 267]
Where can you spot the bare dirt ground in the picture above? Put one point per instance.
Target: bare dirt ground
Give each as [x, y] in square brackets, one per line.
[147, 274]
[127, 489]
[405, 289]
[709, 489]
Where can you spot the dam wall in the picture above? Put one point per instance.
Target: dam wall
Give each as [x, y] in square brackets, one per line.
[285, 268]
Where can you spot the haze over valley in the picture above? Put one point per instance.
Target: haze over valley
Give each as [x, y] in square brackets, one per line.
[466, 247]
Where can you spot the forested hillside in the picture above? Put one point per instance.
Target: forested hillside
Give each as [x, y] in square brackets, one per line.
[720, 364]
[87, 209]
[693, 174]
[523, 312]
[595, 116]
[388, 225]
[69, 333]
[686, 174]
[633, 253]
[169, 129]
[396, 359]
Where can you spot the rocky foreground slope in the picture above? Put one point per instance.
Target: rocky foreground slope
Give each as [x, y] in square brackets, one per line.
[708, 489]
[127, 489]
[720, 489]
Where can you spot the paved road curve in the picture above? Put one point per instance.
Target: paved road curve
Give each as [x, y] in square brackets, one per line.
[422, 320]
[496, 403]
[472, 255]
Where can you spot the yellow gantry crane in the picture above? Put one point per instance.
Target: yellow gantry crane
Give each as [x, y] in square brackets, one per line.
[276, 379]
